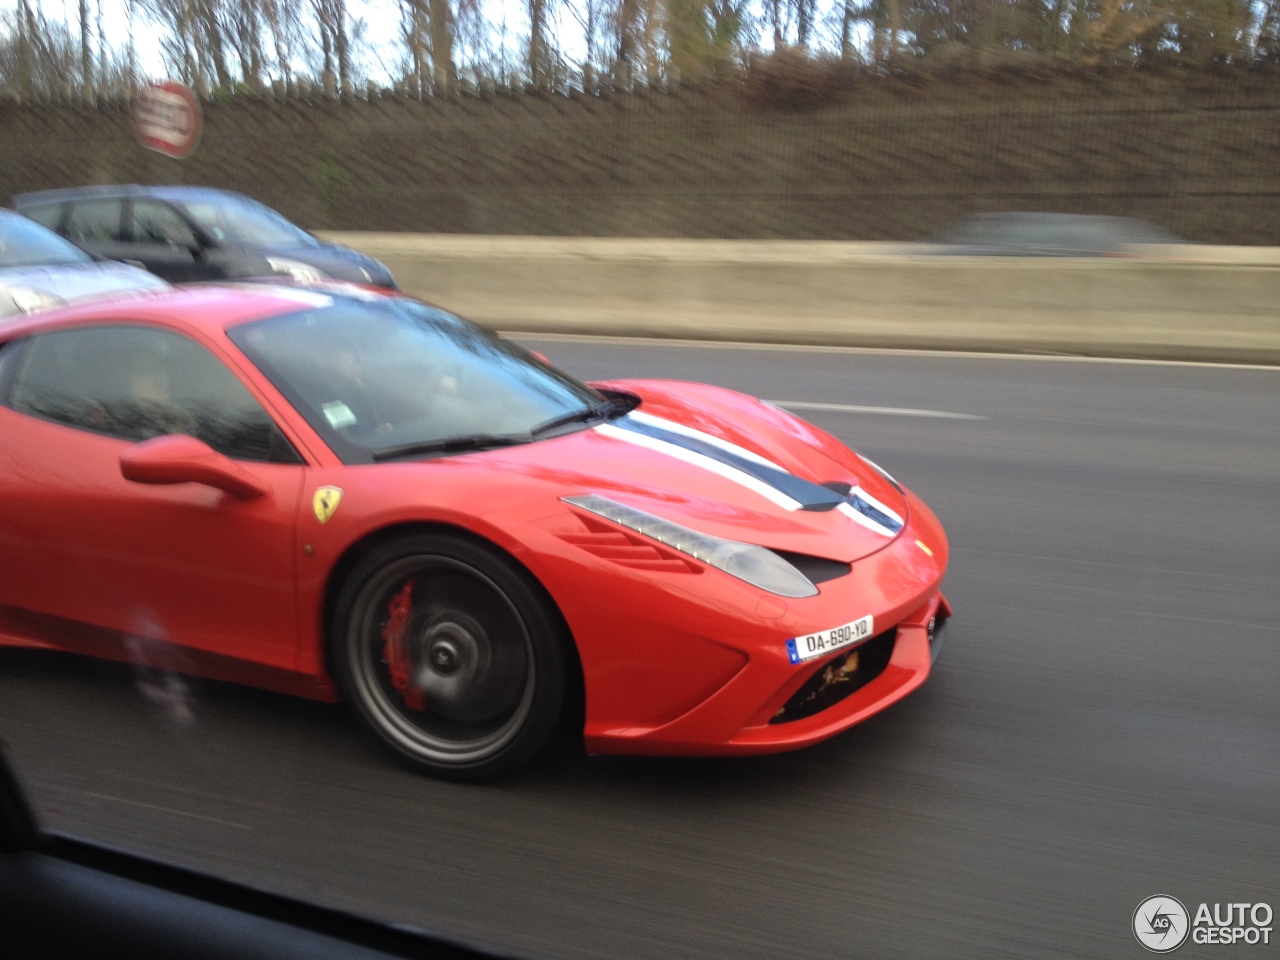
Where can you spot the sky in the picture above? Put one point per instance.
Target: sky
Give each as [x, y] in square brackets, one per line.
[380, 18]
[381, 50]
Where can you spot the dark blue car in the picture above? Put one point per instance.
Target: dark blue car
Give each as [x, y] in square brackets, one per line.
[186, 234]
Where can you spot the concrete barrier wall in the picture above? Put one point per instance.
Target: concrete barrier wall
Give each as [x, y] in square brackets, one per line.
[1182, 302]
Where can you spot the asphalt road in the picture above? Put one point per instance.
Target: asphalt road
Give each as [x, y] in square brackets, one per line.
[1104, 723]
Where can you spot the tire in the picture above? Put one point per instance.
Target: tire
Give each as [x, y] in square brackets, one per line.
[450, 654]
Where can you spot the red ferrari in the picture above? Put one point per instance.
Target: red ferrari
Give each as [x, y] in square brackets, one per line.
[349, 495]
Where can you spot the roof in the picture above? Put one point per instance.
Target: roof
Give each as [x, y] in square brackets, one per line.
[112, 191]
[206, 308]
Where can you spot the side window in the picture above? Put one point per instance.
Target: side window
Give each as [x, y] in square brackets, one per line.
[95, 221]
[47, 215]
[156, 222]
[135, 383]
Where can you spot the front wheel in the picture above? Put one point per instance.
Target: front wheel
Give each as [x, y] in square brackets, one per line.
[450, 654]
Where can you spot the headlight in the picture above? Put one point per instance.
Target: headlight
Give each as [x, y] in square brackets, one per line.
[302, 272]
[756, 565]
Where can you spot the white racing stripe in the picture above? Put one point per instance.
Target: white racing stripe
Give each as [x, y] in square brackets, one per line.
[737, 476]
[884, 411]
[681, 429]
[699, 460]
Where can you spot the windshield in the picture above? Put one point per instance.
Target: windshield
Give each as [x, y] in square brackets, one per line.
[241, 220]
[384, 378]
[24, 243]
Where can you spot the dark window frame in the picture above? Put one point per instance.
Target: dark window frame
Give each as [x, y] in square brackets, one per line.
[128, 236]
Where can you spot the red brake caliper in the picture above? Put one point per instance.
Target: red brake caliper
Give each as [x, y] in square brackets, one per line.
[398, 610]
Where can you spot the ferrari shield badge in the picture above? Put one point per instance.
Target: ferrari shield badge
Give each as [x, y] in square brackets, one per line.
[325, 502]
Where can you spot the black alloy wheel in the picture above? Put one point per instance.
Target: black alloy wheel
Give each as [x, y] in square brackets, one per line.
[450, 654]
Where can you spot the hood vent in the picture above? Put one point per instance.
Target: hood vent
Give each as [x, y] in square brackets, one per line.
[627, 549]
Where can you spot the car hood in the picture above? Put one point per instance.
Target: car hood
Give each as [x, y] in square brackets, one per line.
[721, 463]
[73, 280]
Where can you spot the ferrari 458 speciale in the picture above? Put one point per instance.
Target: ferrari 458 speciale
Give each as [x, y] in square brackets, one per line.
[345, 494]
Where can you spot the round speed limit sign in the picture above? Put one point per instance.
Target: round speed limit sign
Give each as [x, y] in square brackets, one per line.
[166, 117]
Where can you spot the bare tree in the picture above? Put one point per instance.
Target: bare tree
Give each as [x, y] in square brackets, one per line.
[444, 69]
[194, 46]
[637, 27]
[283, 24]
[332, 26]
[626, 21]
[804, 11]
[776, 13]
[417, 44]
[541, 59]
[1267, 31]
[589, 15]
[86, 45]
[850, 14]
[428, 29]
[40, 57]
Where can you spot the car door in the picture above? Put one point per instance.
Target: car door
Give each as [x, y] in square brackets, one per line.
[91, 561]
[166, 244]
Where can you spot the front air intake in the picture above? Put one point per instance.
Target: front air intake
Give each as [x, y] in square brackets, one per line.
[838, 678]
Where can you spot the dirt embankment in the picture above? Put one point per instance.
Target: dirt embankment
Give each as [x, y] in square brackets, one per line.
[863, 158]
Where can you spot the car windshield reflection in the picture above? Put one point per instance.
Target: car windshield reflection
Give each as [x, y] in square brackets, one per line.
[379, 380]
[240, 220]
[24, 243]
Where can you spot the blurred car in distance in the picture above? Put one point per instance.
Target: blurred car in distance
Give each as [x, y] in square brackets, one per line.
[1049, 235]
[187, 234]
[38, 269]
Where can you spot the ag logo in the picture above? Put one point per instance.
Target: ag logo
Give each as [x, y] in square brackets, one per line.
[325, 502]
[1161, 924]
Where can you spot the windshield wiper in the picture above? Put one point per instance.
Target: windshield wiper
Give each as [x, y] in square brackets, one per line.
[607, 409]
[454, 444]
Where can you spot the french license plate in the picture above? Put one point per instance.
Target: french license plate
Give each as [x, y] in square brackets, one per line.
[816, 644]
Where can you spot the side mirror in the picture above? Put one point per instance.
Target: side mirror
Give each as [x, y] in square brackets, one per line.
[182, 459]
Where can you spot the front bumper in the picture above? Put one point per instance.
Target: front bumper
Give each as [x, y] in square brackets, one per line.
[747, 690]
[757, 693]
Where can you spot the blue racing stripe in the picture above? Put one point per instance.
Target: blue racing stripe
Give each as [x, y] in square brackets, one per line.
[810, 496]
[871, 513]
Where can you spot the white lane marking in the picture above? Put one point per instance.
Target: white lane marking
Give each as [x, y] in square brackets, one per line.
[180, 813]
[886, 411]
[699, 460]
[695, 434]
[867, 351]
